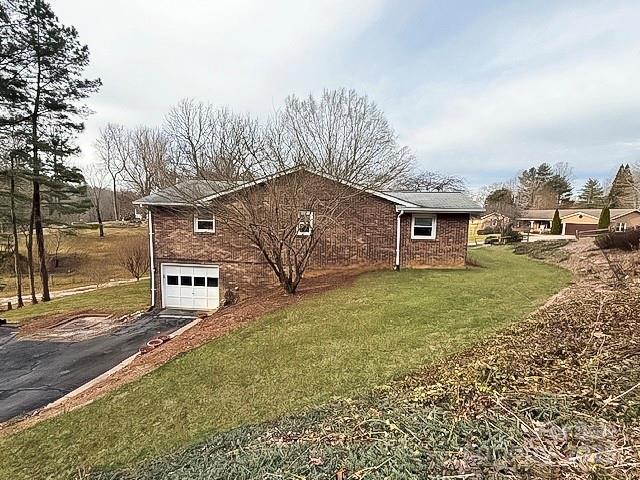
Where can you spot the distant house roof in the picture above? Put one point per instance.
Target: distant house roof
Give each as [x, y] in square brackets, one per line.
[191, 192]
[567, 212]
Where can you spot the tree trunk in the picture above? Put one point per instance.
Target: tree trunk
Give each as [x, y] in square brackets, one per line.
[100, 226]
[37, 213]
[42, 253]
[32, 280]
[16, 243]
[116, 214]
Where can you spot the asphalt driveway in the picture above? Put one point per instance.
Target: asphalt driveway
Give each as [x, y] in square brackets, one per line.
[34, 373]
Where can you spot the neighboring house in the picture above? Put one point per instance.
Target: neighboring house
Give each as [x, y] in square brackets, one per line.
[492, 220]
[578, 219]
[194, 260]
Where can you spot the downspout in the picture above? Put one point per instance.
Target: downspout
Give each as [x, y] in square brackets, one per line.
[397, 265]
[152, 263]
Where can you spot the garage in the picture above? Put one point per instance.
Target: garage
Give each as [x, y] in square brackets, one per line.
[572, 228]
[191, 287]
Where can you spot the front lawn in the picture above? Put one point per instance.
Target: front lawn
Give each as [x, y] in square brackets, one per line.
[334, 344]
[118, 300]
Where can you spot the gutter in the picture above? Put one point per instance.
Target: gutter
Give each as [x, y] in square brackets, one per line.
[397, 265]
[151, 263]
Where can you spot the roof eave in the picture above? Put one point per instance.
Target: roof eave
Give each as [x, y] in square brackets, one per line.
[400, 208]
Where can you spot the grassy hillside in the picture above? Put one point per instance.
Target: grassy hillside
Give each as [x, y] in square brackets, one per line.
[334, 344]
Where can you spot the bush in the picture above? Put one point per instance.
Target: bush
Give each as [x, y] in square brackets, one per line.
[623, 240]
[605, 218]
[134, 256]
[514, 237]
[488, 230]
[556, 224]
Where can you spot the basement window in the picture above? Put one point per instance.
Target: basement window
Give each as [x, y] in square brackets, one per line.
[204, 225]
[423, 227]
[305, 223]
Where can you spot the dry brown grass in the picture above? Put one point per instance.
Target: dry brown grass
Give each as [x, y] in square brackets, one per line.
[83, 258]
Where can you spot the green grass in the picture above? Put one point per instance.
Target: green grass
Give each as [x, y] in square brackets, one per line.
[117, 300]
[334, 344]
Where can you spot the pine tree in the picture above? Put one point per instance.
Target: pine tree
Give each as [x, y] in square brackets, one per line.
[41, 86]
[556, 224]
[622, 193]
[592, 194]
[605, 218]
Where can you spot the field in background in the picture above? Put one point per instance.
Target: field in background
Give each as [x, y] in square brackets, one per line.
[83, 258]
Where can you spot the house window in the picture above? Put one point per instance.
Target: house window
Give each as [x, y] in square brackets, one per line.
[423, 227]
[185, 281]
[198, 281]
[621, 227]
[212, 282]
[204, 225]
[305, 223]
[172, 280]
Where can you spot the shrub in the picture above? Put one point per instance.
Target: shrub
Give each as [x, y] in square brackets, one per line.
[623, 240]
[134, 256]
[556, 224]
[488, 230]
[605, 218]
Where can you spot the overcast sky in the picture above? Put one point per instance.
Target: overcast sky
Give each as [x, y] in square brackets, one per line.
[476, 88]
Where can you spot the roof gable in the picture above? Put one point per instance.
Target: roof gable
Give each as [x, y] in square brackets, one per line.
[204, 191]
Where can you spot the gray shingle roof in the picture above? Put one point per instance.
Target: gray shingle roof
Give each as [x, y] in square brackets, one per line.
[187, 192]
[191, 191]
[438, 200]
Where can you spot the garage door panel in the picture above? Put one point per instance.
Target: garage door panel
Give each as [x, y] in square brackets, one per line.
[572, 228]
[190, 286]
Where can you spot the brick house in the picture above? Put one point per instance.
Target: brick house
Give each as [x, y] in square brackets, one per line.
[195, 259]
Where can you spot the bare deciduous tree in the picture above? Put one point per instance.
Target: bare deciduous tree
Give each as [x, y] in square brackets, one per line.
[111, 149]
[134, 256]
[97, 180]
[428, 181]
[342, 136]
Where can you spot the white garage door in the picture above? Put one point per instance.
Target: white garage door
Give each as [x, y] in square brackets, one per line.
[190, 286]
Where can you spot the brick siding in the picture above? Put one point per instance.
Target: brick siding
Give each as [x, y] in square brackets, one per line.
[365, 234]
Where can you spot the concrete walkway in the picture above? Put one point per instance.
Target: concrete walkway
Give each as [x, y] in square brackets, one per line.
[35, 373]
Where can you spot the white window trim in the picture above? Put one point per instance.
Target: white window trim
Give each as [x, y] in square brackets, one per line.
[434, 217]
[621, 227]
[203, 230]
[311, 217]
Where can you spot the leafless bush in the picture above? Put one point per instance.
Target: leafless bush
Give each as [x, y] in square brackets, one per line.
[622, 240]
[134, 256]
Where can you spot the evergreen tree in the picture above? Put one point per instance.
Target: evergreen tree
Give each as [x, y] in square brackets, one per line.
[41, 85]
[561, 188]
[605, 218]
[592, 194]
[623, 193]
[556, 224]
